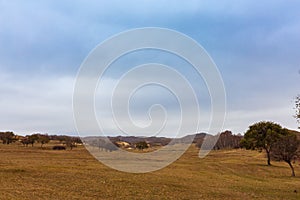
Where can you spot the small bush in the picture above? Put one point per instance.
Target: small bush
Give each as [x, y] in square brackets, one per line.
[59, 148]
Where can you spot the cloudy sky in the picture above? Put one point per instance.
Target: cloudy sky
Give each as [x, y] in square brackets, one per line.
[254, 44]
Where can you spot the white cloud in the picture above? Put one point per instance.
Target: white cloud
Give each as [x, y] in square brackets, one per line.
[32, 103]
[239, 120]
[255, 45]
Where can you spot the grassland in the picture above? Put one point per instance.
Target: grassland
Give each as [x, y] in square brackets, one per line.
[34, 173]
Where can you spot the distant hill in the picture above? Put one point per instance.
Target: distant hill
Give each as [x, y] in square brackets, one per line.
[195, 138]
[153, 141]
[150, 140]
[296, 133]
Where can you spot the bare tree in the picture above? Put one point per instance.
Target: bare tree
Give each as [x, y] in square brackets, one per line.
[228, 141]
[297, 107]
[286, 149]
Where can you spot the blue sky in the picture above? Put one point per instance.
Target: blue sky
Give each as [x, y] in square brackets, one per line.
[42, 45]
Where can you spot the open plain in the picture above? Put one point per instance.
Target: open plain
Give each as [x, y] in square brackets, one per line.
[35, 173]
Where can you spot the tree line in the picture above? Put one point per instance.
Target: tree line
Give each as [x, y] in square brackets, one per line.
[9, 137]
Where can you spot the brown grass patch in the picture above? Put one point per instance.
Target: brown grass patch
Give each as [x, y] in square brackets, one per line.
[35, 173]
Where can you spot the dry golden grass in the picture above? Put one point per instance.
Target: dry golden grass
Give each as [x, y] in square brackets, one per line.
[34, 173]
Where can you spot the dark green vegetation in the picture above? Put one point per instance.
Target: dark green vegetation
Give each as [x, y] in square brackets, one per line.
[263, 136]
[141, 145]
[279, 143]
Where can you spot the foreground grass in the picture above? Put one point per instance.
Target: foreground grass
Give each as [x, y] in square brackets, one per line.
[34, 173]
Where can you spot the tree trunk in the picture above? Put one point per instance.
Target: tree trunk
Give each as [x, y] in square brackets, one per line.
[269, 158]
[292, 168]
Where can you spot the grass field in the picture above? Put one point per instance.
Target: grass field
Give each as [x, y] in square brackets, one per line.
[34, 173]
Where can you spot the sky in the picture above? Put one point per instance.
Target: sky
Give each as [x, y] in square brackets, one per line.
[254, 44]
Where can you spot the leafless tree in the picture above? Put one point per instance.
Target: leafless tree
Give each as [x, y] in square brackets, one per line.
[286, 149]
